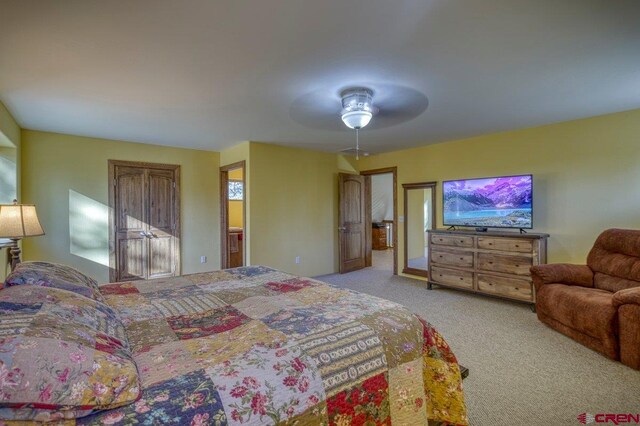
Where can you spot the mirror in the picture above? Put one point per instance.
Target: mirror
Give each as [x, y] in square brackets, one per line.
[419, 217]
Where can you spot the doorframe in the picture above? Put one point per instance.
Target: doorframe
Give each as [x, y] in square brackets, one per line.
[382, 171]
[112, 164]
[406, 187]
[224, 212]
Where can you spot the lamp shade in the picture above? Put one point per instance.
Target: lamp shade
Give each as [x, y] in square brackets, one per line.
[19, 221]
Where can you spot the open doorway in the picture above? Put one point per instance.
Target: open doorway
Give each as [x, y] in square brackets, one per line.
[382, 211]
[232, 215]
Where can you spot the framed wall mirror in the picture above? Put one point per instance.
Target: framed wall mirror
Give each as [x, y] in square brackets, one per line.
[419, 217]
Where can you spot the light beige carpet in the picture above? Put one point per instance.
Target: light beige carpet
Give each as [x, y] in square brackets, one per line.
[521, 372]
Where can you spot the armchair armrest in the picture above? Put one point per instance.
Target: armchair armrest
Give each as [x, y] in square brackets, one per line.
[627, 302]
[629, 296]
[562, 273]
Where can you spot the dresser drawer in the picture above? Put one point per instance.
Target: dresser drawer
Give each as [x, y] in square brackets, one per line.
[452, 277]
[506, 244]
[508, 287]
[461, 259]
[518, 265]
[452, 240]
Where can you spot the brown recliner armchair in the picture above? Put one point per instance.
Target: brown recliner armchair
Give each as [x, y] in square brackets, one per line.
[597, 304]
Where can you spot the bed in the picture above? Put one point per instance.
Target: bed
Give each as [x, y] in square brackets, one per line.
[254, 345]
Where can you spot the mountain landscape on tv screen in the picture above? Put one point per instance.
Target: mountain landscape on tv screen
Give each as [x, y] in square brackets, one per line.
[493, 202]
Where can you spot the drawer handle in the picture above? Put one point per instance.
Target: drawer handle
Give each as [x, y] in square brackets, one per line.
[517, 266]
[517, 246]
[462, 258]
[490, 244]
[517, 288]
[490, 263]
[461, 278]
[462, 241]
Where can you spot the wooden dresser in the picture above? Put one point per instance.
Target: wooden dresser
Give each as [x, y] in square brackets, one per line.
[379, 238]
[494, 263]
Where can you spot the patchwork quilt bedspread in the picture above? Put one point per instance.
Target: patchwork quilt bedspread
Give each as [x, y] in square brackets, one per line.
[254, 345]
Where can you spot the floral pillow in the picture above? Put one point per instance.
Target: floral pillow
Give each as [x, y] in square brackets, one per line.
[47, 274]
[62, 356]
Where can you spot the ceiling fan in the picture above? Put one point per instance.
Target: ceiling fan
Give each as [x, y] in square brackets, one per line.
[374, 105]
[357, 111]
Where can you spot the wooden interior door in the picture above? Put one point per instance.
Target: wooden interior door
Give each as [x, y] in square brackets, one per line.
[130, 224]
[162, 256]
[352, 222]
[144, 221]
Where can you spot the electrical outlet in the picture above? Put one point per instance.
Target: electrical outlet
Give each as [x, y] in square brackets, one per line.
[297, 259]
[203, 259]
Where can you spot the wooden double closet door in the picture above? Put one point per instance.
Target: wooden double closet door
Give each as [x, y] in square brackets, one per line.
[144, 220]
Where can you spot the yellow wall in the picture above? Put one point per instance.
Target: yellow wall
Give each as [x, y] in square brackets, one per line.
[586, 175]
[10, 135]
[235, 174]
[235, 214]
[290, 206]
[235, 154]
[294, 206]
[66, 176]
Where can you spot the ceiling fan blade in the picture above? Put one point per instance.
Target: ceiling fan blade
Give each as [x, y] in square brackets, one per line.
[318, 110]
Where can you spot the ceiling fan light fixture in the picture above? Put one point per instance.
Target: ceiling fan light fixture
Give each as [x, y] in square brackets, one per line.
[356, 119]
[357, 107]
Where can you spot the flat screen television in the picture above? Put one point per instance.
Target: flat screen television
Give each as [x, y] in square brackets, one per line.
[494, 202]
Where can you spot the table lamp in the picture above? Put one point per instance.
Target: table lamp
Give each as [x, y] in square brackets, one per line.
[16, 222]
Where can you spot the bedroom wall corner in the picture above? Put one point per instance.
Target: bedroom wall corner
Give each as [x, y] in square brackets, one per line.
[66, 177]
[294, 198]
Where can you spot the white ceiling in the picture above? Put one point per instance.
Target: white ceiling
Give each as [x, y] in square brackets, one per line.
[209, 74]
